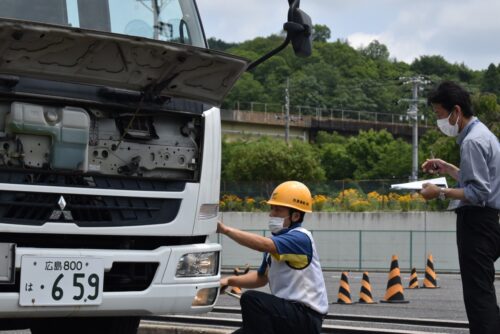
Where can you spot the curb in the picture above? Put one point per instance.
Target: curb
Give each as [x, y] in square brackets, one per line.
[160, 328]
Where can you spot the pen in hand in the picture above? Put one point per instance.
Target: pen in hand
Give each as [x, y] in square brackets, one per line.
[434, 166]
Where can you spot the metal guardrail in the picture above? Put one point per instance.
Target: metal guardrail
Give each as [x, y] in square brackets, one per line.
[305, 113]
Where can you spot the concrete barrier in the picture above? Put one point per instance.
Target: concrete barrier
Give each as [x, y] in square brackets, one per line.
[360, 240]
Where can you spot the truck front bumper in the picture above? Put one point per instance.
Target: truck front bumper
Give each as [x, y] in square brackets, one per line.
[166, 293]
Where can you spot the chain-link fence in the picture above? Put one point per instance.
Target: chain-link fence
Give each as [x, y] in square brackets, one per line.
[257, 189]
[363, 250]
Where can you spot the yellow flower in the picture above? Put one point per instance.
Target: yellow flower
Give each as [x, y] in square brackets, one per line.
[249, 200]
[319, 199]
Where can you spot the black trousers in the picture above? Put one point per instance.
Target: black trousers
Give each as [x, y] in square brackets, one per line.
[267, 314]
[478, 240]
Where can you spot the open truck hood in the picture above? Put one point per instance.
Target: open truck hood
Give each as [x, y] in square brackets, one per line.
[81, 56]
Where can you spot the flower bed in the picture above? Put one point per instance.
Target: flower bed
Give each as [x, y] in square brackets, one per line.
[346, 200]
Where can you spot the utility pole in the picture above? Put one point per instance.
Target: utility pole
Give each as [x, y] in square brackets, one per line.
[156, 7]
[156, 12]
[287, 111]
[416, 82]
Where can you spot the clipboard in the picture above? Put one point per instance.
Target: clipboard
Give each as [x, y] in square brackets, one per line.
[417, 185]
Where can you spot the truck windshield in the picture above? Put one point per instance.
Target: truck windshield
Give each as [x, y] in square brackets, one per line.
[166, 20]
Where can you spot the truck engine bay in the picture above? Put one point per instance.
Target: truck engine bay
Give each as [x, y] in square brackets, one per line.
[94, 141]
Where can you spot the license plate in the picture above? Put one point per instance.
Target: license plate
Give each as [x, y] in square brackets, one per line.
[52, 281]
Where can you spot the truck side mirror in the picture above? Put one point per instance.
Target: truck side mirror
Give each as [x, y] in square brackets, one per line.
[299, 32]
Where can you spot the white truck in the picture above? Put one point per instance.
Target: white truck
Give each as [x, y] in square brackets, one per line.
[110, 160]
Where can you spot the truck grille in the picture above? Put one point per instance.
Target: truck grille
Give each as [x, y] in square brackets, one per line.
[47, 178]
[28, 208]
[84, 210]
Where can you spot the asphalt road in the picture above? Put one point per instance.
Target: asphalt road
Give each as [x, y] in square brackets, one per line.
[444, 303]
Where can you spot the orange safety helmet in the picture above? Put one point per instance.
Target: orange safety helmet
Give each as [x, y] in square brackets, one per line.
[292, 194]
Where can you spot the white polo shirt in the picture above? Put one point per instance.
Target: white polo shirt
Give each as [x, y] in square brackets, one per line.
[295, 273]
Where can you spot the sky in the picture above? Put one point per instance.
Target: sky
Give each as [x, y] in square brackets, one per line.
[462, 31]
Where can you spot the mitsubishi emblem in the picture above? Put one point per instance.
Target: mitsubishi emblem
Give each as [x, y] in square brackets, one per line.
[58, 214]
[62, 203]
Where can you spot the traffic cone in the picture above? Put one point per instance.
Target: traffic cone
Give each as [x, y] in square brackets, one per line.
[413, 280]
[344, 296]
[237, 271]
[365, 294]
[394, 292]
[430, 281]
[236, 290]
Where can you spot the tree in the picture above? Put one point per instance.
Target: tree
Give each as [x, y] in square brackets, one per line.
[339, 76]
[306, 90]
[247, 89]
[275, 66]
[428, 65]
[366, 150]
[324, 137]
[395, 161]
[487, 109]
[272, 160]
[337, 162]
[376, 51]
[321, 33]
[218, 44]
[425, 144]
[491, 80]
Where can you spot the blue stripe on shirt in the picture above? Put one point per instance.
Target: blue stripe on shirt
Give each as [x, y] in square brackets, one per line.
[294, 247]
[264, 265]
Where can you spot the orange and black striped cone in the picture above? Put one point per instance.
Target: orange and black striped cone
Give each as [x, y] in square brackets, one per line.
[344, 296]
[394, 292]
[430, 280]
[365, 294]
[237, 272]
[236, 290]
[413, 280]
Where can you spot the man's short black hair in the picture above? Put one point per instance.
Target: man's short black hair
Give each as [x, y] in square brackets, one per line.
[449, 94]
[302, 214]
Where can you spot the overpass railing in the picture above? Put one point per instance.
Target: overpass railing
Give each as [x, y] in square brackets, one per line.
[274, 112]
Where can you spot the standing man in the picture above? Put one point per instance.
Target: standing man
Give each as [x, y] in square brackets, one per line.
[291, 266]
[478, 228]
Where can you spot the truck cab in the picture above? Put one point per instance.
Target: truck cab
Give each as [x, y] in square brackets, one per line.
[109, 161]
[110, 150]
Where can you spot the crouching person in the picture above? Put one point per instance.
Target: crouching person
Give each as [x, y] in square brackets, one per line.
[298, 300]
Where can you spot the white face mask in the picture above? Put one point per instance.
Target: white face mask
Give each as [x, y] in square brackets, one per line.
[446, 128]
[276, 224]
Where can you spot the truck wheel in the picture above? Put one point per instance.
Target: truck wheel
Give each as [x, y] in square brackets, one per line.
[108, 325]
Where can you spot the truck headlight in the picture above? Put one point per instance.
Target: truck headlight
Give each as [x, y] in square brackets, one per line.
[198, 264]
